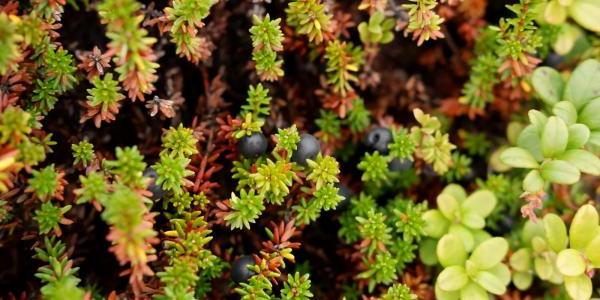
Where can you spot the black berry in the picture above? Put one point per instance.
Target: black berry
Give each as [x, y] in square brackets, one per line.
[554, 60]
[398, 165]
[308, 148]
[239, 269]
[378, 139]
[253, 145]
[155, 189]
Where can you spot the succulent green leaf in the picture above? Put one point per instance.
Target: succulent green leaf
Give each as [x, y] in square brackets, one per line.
[473, 291]
[473, 220]
[538, 119]
[452, 278]
[490, 283]
[529, 139]
[533, 182]
[531, 230]
[569, 262]
[583, 83]
[579, 135]
[518, 158]
[522, 280]
[427, 252]
[521, 260]
[554, 137]
[566, 111]
[464, 234]
[448, 206]
[548, 83]
[590, 115]
[502, 272]
[560, 171]
[451, 251]
[556, 232]
[555, 13]
[481, 202]
[446, 295]
[489, 253]
[591, 251]
[436, 224]
[594, 139]
[583, 160]
[584, 227]
[579, 287]
[544, 267]
[585, 13]
[456, 191]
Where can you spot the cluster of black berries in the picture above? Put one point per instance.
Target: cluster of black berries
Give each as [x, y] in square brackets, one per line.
[256, 144]
[378, 139]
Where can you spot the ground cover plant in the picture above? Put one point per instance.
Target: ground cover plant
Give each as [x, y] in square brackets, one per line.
[299, 149]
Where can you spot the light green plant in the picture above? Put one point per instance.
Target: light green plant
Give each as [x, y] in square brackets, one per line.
[377, 30]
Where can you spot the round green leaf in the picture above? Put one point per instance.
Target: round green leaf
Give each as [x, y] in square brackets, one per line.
[569, 262]
[566, 111]
[452, 278]
[566, 38]
[490, 283]
[489, 253]
[502, 272]
[448, 206]
[473, 220]
[465, 235]
[584, 227]
[456, 191]
[555, 13]
[481, 202]
[579, 135]
[543, 267]
[522, 280]
[533, 182]
[554, 137]
[592, 251]
[560, 171]
[548, 83]
[594, 139]
[537, 119]
[451, 251]
[427, 250]
[585, 13]
[583, 160]
[529, 139]
[581, 86]
[589, 114]
[521, 260]
[517, 157]
[473, 291]
[530, 230]
[556, 232]
[579, 287]
[446, 295]
[436, 224]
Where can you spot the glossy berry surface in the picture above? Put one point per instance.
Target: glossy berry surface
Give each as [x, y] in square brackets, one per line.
[308, 148]
[378, 139]
[155, 189]
[253, 145]
[239, 269]
[345, 192]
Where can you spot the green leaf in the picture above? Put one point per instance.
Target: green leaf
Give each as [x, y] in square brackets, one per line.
[566, 111]
[490, 283]
[537, 119]
[579, 135]
[522, 280]
[502, 272]
[452, 278]
[533, 182]
[594, 139]
[448, 206]
[589, 115]
[544, 266]
[591, 251]
[489, 253]
[560, 171]
[548, 83]
[473, 220]
[464, 234]
[518, 158]
[451, 251]
[556, 232]
[473, 291]
[481, 202]
[585, 13]
[579, 287]
[582, 85]
[555, 13]
[436, 224]
[446, 295]
[554, 137]
[530, 230]
[566, 38]
[584, 227]
[583, 160]
[529, 139]
[521, 260]
[569, 262]
[427, 252]
[456, 191]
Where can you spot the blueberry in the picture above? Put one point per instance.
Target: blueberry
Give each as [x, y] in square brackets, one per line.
[345, 192]
[308, 148]
[398, 165]
[378, 139]
[239, 269]
[155, 189]
[253, 145]
[554, 60]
